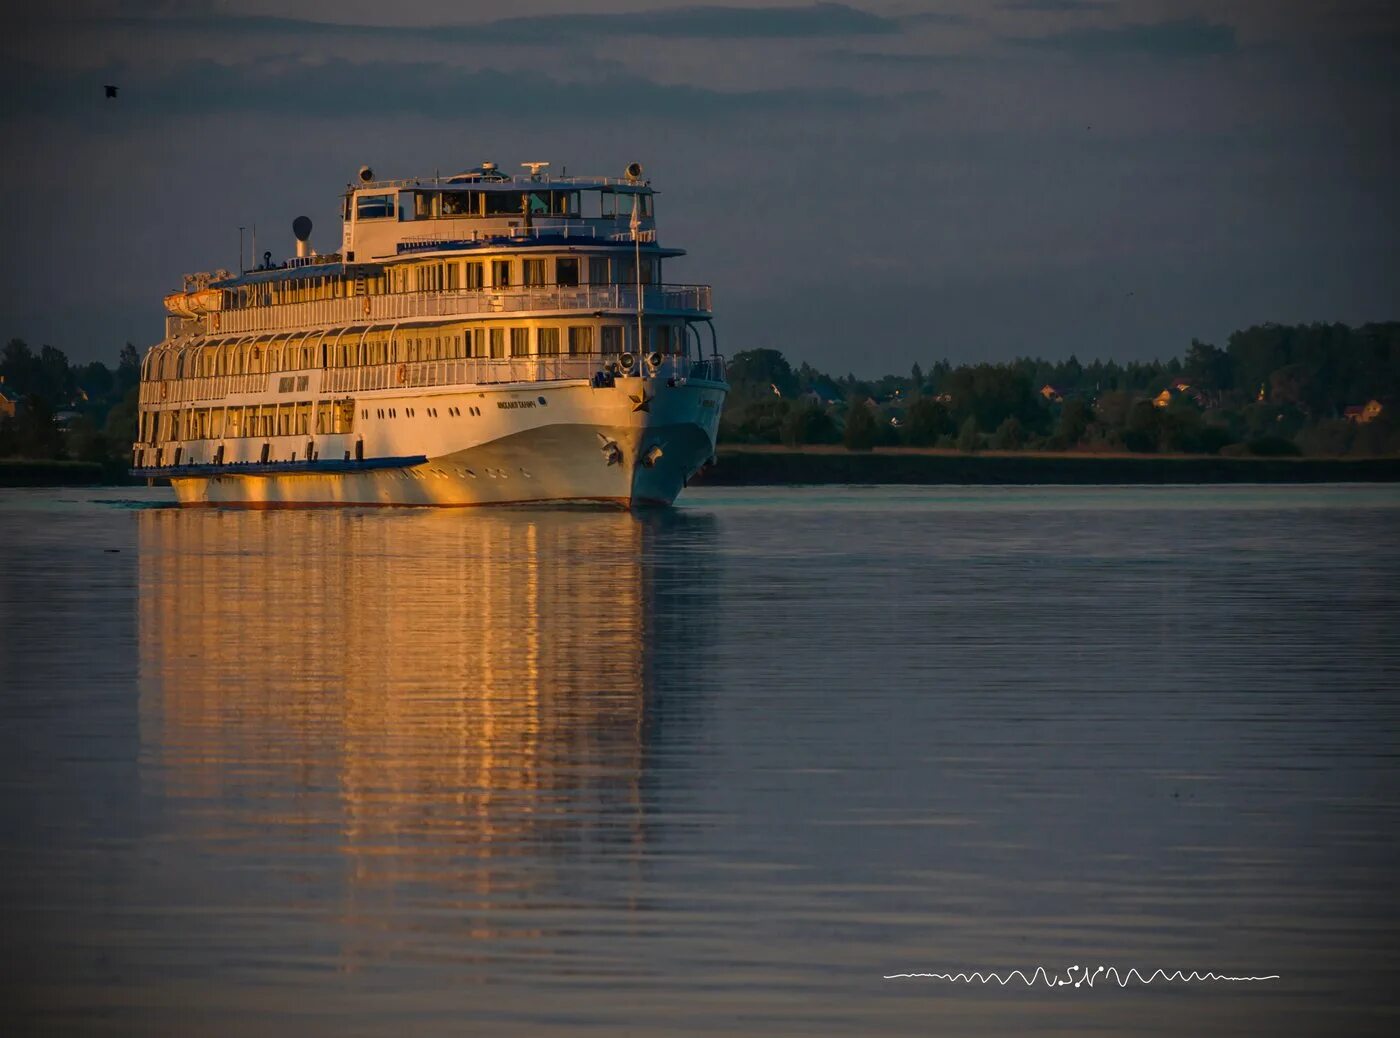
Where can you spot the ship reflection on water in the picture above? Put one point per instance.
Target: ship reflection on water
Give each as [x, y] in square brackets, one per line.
[434, 732]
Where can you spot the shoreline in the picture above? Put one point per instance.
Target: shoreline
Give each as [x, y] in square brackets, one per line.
[780, 466]
[764, 465]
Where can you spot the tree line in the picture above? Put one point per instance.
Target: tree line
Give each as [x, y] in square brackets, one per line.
[1271, 390]
[84, 412]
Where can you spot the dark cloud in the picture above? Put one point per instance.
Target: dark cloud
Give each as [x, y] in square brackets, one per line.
[700, 22]
[895, 59]
[1055, 6]
[934, 18]
[1184, 37]
[337, 89]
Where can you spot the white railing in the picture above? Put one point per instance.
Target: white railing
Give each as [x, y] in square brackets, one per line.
[481, 371]
[408, 306]
[470, 371]
[213, 387]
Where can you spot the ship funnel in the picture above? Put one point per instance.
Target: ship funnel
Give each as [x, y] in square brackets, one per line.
[301, 227]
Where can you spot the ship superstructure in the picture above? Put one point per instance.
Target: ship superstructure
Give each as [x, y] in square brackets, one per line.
[480, 338]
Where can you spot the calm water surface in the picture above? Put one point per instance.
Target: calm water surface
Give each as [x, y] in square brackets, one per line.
[713, 771]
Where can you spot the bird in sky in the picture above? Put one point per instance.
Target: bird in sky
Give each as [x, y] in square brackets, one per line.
[111, 90]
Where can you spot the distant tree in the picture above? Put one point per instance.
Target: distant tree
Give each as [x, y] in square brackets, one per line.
[916, 376]
[1273, 447]
[53, 378]
[17, 367]
[860, 432]
[807, 423]
[1009, 435]
[754, 421]
[1075, 417]
[128, 374]
[968, 439]
[1208, 368]
[1330, 438]
[36, 435]
[85, 441]
[755, 373]
[121, 425]
[1142, 427]
[991, 393]
[925, 421]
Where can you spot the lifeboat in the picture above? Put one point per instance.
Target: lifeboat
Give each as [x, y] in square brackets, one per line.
[195, 304]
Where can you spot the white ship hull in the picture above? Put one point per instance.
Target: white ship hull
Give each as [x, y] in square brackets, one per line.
[635, 442]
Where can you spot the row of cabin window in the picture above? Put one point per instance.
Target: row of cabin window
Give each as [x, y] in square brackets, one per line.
[531, 272]
[457, 203]
[455, 276]
[298, 418]
[378, 348]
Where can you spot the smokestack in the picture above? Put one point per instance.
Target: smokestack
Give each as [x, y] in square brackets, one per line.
[301, 227]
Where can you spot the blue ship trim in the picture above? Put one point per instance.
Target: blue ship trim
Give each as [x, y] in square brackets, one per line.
[278, 468]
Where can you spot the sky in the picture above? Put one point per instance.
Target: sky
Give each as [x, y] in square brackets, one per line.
[865, 185]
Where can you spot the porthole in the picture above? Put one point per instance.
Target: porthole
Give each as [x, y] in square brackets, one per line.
[543, 402]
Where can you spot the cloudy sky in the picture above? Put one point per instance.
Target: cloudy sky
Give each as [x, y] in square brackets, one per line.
[865, 185]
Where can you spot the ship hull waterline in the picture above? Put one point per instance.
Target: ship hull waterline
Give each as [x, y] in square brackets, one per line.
[611, 455]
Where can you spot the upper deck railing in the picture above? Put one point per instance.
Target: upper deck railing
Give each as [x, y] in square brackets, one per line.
[393, 307]
[501, 180]
[470, 371]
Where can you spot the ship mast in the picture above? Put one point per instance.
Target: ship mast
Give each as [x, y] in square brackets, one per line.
[637, 264]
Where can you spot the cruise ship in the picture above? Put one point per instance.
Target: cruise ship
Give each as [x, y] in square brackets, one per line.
[481, 338]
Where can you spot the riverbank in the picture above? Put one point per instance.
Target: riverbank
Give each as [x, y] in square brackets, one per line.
[31, 472]
[776, 466]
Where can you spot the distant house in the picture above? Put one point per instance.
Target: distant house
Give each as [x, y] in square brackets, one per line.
[1363, 414]
[822, 396]
[1181, 385]
[1054, 394]
[1177, 390]
[9, 403]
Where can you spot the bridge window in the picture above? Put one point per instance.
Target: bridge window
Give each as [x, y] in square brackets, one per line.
[461, 203]
[503, 203]
[374, 207]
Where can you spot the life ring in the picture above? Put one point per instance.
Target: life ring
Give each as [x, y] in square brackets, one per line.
[163, 387]
[365, 306]
[403, 373]
[215, 315]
